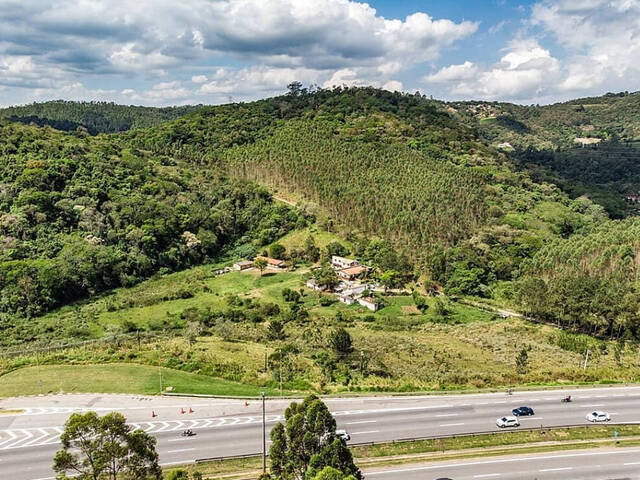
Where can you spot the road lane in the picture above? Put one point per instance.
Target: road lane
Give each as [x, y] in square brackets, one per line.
[366, 419]
[601, 464]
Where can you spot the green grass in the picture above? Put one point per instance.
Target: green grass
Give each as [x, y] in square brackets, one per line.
[117, 378]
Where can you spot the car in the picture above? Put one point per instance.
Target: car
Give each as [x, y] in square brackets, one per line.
[598, 417]
[343, 435]
[508, 421]
[522, 411]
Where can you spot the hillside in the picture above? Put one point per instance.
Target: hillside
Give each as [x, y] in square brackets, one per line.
[81, 214]
[587, 146]
[411, 188]
[94, 117]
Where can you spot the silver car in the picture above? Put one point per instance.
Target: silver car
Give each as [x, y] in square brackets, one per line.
[509, 421]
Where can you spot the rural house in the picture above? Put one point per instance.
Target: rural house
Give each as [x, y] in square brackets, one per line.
[242, 265]
[340, 263]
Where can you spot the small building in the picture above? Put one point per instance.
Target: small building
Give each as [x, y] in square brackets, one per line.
[341, 263]
[313, 285]
[242, 265]
[274, 262]
[368, 302]
[346, 298]
[352, 273]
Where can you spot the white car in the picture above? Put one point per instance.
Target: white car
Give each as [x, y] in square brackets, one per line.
[509, 421]
[598, 417]
[343, 435]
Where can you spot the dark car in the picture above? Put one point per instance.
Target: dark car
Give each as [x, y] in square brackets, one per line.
[522, 411]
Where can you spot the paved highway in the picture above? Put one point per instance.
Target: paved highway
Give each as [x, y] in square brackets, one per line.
[29, 440]
[602, 464]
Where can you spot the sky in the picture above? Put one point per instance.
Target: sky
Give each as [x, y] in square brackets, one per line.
[175, 52]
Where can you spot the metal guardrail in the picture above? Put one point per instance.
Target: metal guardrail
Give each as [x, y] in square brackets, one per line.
[435, 437]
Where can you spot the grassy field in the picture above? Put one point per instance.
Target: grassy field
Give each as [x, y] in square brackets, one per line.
[116, 378]
[397, 349]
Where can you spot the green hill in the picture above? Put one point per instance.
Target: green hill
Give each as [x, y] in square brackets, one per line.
[94, 117]
[587, 146]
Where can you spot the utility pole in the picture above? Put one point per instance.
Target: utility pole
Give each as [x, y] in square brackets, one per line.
[264, 437]
[586, 359]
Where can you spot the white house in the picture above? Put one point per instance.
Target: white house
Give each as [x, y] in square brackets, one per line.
[368, 302]
[311, 283]
[346, 298]
[242, 265]
[341, 263]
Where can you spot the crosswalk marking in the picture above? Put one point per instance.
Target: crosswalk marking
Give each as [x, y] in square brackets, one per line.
[35, 437]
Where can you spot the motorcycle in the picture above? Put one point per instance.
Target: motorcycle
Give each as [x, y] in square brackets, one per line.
[188, 433]
[566, 399]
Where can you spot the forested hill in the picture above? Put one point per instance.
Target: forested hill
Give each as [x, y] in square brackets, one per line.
[588, 146]
[95, 117]
[81, 213]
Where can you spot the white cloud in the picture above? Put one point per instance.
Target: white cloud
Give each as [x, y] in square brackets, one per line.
[597, 49]
[277, 40]
[452, 73]
[602, 38]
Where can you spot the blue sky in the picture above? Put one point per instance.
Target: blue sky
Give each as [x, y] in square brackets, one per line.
[163, 52]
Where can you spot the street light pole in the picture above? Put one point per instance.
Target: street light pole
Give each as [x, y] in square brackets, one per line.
[264, 438]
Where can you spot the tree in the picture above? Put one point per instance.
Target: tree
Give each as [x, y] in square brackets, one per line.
[307, 443]
[260, 264]
[290, 295]
[275, 330]
[311, 251]
[340, 342]
[389, 279]
[326, 276]
[96, 448]
[191, 333]
[336, 248]
[522, 361]
[277, 251]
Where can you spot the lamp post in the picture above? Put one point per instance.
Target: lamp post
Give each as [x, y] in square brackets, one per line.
[264, 437]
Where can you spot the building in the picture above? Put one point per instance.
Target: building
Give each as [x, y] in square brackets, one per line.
[352, 273]
[368, 302]
[312, 284]
[346, 298]
[242, 265]
[274, 262]
[341, 263]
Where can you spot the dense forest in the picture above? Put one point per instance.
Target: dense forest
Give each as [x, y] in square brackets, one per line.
[94, 117]
[81, 213]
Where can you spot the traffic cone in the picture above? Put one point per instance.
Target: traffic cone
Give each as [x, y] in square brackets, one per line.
[190, 410]
[182, 411]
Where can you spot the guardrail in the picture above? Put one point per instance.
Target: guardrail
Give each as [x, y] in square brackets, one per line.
[435, 437]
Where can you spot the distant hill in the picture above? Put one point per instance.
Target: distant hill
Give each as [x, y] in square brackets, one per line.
[95, 117]
[586, 146]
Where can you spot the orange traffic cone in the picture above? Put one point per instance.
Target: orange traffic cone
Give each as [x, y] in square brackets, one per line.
[246, 404]
[182, 411]
[190, 410]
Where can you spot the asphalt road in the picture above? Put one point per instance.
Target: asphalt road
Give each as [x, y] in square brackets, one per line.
[620, 464]
[29, 441]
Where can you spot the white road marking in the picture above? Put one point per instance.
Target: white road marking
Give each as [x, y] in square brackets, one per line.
[360, 423]
[448, 415]
[487, 475]
[451, 424]
[503, 460]
[181, 450]
[363, 433]
[555, 469]
[631, 463]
